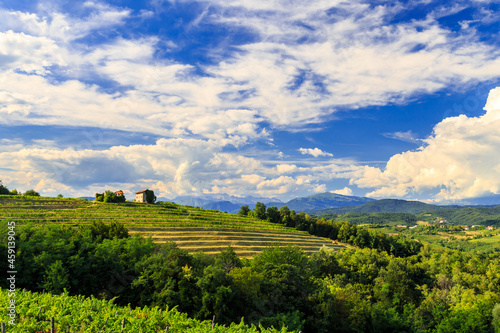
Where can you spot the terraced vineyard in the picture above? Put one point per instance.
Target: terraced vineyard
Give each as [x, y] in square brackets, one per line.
[193, 229]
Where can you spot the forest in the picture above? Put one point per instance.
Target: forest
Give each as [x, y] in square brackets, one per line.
[353, 290]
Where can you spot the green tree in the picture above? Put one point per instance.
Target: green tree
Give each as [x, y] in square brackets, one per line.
[496, 317]
[99, 197]
[150, 197]
[244, 210]
[56, 278]
[260, 211]
[31, 193]
[3, 190]
[285, 215]
[228, 260]
[273, 215]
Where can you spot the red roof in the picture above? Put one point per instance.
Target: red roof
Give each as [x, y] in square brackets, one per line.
[140, 192]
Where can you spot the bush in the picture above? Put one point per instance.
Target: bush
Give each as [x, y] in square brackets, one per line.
[31, 193]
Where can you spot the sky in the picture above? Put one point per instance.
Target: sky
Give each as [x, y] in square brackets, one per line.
[281, 99]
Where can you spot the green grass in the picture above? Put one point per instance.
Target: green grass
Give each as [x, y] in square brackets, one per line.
[193, 229]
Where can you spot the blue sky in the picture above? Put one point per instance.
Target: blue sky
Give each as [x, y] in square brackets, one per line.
[251, 97]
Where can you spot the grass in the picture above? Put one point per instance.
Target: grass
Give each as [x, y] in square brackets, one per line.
[193, 229]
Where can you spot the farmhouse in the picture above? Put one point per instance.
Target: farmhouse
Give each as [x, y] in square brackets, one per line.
[140, 196]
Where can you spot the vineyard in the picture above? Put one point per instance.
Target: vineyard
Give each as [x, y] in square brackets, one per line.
[193, 229]
[77, 314]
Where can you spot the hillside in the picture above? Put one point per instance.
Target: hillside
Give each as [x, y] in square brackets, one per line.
[381, 206]
[193, 229]
[465, 215]
[321, 201]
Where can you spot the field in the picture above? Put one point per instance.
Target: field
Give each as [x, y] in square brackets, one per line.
[448, 236]
[193, 229]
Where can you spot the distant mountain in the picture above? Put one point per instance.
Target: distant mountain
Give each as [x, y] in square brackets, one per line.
[383, 206]
[322, 201]
[223, 202]
[492, 200]
[223, 206]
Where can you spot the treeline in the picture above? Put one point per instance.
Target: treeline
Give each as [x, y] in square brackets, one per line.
[5, 191]
[373, 219]
[470, 215]
[342, 231]
[109, 196]
[345, 291]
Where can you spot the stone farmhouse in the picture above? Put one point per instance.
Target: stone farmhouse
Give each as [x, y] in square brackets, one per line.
[140, 196]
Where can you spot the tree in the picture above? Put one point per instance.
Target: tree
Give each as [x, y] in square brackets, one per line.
[150, 197]
[260, 211]
[109, 196]
[31, 193]
[244, 210]
[273, 215]
[228, 260]
[56, 278]
[3, 190]
[285, 215]
[496, 317]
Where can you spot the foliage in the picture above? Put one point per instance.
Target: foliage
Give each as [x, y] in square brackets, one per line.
[244, 210]
[150, 197]
[110, 196]
[3, 189]
[353, 290]
[31, 193]
[90, 315]
[260, 211]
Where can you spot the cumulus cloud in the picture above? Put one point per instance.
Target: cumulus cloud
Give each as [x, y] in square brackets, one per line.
[316, 152]
[345, 191]
[170, 166]
[459, 160]
[307, 61]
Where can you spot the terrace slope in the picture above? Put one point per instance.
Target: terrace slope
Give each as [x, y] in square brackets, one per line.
[193, 229]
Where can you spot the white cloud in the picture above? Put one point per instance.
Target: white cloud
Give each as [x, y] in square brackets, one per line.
[308, 60]
[316, 152]
[461, 159]
[345, 191]
[407, 136]
[58, 26]
[170, 166]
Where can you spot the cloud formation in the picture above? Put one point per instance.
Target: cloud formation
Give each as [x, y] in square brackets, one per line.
[304, 62]
[316, 152]
[459, 160]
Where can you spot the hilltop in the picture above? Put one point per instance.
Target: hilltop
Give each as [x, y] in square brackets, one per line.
[381, 206]
[194, 229]
[232, 204]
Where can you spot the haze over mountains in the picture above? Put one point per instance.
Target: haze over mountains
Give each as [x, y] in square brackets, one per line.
[322, 203]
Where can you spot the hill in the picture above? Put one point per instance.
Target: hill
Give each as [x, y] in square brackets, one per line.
[381, 206]
[192, 228]
[223, 202]
[321, 201]
[232, 204]
[465, 215]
